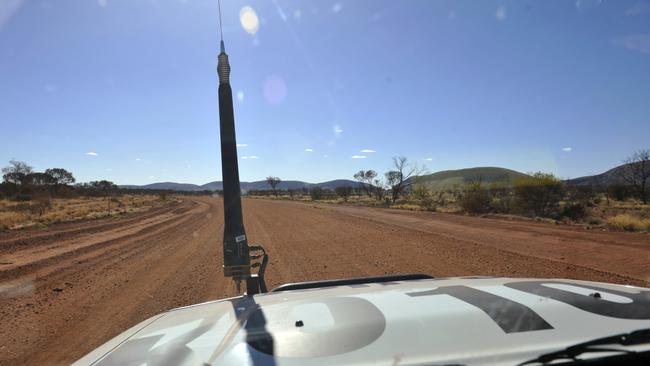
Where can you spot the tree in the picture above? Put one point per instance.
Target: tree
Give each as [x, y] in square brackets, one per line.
[636, 173]
[365, 178]
[344, 192]
[17, 172]
[273, 182]
[60, 177]
[396, 179]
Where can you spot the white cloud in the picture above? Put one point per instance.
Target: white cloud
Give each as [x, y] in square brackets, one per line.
[634, 42]
[297, 14]
[358, 156]
[337, 130]
[368, 151]
[7, 9]
[325, 156]
[337, 7]
[244, 157]
[92, 153]
[501, 13]
[428, 159]
[240, 96]
[567, 149]
[253, 157]
[309, 150]
[138, 159]
[242, 145]
[102, 3]
[639, 8]
[152, 177]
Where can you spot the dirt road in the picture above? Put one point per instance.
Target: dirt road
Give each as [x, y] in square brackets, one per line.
[69, 289]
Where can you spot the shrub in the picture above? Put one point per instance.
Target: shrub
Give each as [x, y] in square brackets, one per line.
[629, 223]
[428, 204]
[574, 211]
[538, 194]
[619, 192]
[316, 193]
[23, 197]
[475, 199]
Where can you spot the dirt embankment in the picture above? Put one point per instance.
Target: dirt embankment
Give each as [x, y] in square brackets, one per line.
[67, 290]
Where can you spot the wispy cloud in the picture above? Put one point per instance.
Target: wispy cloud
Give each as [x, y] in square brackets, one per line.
[138, 159]
[92, 153]
[428, 159]
[501, 13]
[567, 149]
[242, 145]
[240, 96]
[337, 130]
[639, 8]
[337, 7]
[325, 156]
[250, 157]
[368, 151]
[634, 42]
[102, 3]
[152, 177]
[358, 156]
[309, 150]
[7, 9]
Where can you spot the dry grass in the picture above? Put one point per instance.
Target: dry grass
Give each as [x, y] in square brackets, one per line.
[14, 215]
[628, 223]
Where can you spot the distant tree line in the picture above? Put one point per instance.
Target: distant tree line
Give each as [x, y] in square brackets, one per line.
[21, 182]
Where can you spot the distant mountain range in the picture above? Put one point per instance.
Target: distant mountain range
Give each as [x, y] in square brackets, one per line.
[437, 181]
[246, 186]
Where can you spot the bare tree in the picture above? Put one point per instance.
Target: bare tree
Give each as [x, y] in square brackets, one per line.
[636, 173]
[17, 172]
[396, 179]
[365, 178]
[273, 182]
[60, 177]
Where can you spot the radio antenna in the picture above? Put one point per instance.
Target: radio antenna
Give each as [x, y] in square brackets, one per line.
[236, 251]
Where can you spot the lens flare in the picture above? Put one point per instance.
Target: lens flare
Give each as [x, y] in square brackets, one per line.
[275, 89]
[249, 20]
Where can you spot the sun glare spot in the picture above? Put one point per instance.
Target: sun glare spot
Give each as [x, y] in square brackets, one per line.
[249, 20]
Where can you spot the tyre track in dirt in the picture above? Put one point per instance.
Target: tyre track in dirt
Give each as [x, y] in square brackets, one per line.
[119, 275]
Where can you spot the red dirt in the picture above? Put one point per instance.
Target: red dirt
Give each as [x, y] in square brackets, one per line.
[67, 290]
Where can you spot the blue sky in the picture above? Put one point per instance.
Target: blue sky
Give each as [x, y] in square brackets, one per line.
[125, 90]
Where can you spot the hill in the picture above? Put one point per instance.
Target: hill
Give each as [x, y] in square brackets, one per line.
[448, 178]
[604, 179]
[246, 186]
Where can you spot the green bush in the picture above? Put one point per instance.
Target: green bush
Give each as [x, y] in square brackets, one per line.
[538, 194]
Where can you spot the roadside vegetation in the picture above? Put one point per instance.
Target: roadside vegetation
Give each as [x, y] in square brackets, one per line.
[618, 205]
[29, 198]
